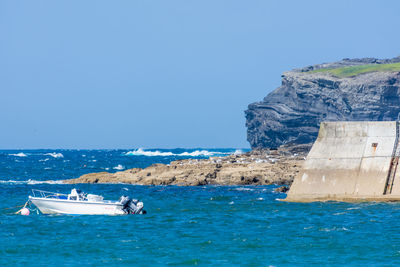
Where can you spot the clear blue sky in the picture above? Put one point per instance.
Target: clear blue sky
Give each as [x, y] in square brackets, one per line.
[126, 74]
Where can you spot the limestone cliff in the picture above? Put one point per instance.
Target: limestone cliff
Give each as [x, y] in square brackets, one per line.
[348, 90]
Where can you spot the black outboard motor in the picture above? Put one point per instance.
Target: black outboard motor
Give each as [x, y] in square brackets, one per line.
[131, 206]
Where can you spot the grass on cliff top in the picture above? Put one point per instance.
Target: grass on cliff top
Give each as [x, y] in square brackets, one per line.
[355, 70]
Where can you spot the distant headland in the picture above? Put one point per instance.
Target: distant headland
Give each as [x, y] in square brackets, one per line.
[282, 127]
[364, 89]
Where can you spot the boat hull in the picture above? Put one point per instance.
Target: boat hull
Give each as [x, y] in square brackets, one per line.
[61, 206]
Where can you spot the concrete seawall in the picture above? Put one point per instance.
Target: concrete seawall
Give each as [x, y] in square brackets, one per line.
[351, 161]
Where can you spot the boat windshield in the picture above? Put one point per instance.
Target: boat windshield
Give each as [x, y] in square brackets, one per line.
[47, 194]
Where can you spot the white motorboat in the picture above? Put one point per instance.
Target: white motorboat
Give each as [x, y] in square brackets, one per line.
[80, 203]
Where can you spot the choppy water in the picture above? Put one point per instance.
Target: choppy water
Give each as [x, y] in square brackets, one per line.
[211, 225]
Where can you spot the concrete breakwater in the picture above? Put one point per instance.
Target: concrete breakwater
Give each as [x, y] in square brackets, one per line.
[252, 168]
[351, 161]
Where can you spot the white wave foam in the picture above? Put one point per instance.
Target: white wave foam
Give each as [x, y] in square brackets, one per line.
[243, 189]
[29, 182]
[238, 152]
[354, 208]
[141, 152]
[42, 160]
[119, 167]
[20, 154]
[333, 229]
[55, 155]
[197, 153]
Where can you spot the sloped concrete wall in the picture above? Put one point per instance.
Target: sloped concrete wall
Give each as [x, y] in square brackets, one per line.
[349, 160]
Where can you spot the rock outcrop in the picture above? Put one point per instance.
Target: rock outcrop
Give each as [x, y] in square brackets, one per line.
[254, 168]
[292, 113]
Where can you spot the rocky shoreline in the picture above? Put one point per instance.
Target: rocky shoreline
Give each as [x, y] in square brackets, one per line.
[258, 167]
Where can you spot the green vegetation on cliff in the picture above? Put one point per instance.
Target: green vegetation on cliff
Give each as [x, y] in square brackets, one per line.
[355, 70]
[292, 113]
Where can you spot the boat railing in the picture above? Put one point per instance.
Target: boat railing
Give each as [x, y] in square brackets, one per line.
[47, 194]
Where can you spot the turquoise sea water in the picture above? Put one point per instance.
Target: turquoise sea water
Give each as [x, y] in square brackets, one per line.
[208, 225]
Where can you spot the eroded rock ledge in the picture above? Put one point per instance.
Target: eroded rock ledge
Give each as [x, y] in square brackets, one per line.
[259, 167]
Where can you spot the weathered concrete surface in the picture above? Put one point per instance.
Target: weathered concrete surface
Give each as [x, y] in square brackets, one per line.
[349, 161]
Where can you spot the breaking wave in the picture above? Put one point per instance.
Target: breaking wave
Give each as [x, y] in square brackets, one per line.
[18, 155]
[197, 153]
[243, 189]
[119, 167]
[55, 155]
[29, 182]
[238, 152]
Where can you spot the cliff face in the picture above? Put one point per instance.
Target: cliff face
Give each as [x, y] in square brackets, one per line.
[348, 90]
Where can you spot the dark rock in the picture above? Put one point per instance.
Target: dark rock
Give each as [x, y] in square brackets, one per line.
[282, 189]
[291, 114]
[300, 149]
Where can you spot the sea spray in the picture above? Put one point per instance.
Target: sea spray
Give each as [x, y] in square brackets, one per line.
[196, 153]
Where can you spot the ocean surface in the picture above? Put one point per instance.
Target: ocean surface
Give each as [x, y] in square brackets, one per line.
[185, 226]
